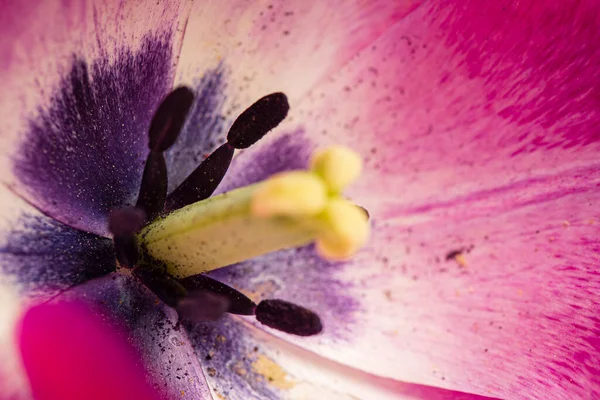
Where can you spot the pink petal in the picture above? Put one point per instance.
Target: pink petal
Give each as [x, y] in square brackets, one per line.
[286, 46]
[45, 42]
[235, 52]
[242, 362]
[13, 379]
[516, 319]
[479, 126]
[71, 354]
[462, 98]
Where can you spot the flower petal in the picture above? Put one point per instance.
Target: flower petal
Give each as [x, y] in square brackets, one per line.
[478, 123]
[461, 98]
[287, 47]
[41, 256]
[204, 129]
[151, 328]
[70, 354]
[487, 297]
[236, 52]
[74, 127]
[242, 362]
[13, 379]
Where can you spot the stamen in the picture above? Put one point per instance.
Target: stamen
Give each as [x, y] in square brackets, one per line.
[288, 317]
[246, 130]
[257, 120]
[153, 190]
[288, 210]
[166, 288]
[169, 119]
[124, 224]
[202, 306]
[238, 302]
[203, 181]
[164, 130]
[126, 221]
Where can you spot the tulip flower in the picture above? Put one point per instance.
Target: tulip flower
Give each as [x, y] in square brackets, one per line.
[347, 199]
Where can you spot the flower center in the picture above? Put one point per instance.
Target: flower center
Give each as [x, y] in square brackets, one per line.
[170, 240]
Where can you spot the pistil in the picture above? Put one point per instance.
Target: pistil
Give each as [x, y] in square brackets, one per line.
[190, 233]
[288, 210]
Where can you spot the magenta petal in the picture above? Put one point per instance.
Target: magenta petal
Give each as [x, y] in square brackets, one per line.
[459, 98]
[71, 354]
[150, 326]
[478, 123]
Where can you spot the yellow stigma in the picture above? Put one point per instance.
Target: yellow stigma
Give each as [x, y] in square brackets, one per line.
[289, 209]
[338, 166]
[347, 230]
[293, 193]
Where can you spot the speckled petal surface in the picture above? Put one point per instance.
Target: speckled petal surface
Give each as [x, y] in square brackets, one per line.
[236, 52]
[151, 328]
[74, 125]
[244, 363]
[464, 98]
[490, 296]
[478, 123]
[40, 257]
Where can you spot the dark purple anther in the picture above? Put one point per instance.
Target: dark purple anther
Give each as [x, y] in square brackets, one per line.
[247, 129]
[238, 303]
[124, 224]
[202, 306]
[203, 181]
[153, 191]
[164, 130]
[169, 119]
[164, 286]
[288, 317]
[257, 120]
[126, 221]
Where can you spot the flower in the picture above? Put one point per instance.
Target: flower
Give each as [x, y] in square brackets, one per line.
[478, 122]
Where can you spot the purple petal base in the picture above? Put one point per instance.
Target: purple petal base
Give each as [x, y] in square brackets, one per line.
[84, 152]
[225, 350]
[301, 277]
[204, 130]
[45, 256]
